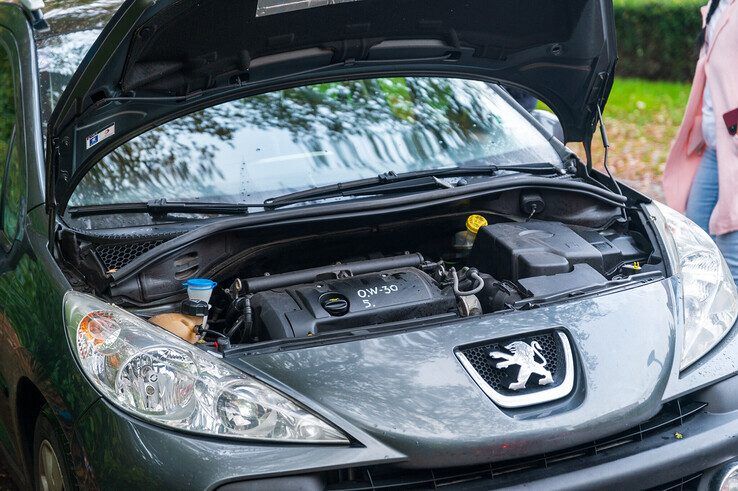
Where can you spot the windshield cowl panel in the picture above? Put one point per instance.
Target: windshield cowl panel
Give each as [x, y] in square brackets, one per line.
[251, 149]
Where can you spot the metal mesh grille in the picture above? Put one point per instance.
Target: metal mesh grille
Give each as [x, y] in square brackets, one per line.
[498, 379]
[501, 474]
[118, 255]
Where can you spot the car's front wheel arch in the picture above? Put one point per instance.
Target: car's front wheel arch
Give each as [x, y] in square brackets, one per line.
[52, 456]
[28, 404]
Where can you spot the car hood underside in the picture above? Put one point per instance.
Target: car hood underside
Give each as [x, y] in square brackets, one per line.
[157, 60]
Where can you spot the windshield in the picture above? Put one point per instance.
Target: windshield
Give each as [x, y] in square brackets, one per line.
[255, 148]
[58, 58]
[74, 26]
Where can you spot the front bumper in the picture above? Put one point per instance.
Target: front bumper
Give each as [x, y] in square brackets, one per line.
[124, 453]
[709, 440]
[121, 452]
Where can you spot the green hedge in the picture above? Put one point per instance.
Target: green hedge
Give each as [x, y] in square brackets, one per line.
[657, 39]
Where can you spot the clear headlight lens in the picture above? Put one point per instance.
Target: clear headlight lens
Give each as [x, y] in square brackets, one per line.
[710, 295]
[148, 372]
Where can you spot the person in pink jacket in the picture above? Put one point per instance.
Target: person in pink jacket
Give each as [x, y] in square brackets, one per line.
[701, 176]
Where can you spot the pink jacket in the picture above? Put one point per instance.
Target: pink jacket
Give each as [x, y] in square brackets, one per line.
[717, 66]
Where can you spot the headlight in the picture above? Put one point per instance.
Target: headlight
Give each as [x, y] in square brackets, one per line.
[149, 373]
[710, 296]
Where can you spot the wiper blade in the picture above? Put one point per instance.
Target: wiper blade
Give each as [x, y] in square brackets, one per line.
[391, 182]
[160, 207]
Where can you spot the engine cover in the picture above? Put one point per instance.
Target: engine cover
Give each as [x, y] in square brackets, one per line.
[513, 251]
[364, 300]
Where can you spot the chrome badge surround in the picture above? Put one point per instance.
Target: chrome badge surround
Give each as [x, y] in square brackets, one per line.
[531, 399]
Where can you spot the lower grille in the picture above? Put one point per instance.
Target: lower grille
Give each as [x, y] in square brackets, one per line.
[672, 415]
[689, 483]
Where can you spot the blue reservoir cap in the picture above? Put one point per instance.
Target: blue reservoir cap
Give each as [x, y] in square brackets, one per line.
[200, 284]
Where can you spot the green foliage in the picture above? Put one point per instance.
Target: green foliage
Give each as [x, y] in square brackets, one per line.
[643, 101]
[657, 39]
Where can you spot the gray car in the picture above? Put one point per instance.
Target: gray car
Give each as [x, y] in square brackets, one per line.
[268, 244]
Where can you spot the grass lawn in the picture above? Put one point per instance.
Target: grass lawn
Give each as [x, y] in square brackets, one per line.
[642, 118]
[644, 101]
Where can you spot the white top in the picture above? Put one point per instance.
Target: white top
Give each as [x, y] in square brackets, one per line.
[709, 127]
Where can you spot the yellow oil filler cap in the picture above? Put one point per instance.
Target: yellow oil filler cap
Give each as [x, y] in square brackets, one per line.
[475, 222]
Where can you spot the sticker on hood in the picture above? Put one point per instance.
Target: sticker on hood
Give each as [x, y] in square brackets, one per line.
[96, 138]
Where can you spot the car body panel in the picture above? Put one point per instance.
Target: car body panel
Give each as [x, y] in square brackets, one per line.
[409, 390]
[16, 25]
[151, 63]
[193, 462]
[208, 464]
[33, 354]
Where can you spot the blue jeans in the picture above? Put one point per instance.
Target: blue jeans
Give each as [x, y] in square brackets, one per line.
[702, 200]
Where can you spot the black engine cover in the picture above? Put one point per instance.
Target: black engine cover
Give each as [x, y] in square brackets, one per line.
[510, 251]
[364, 300]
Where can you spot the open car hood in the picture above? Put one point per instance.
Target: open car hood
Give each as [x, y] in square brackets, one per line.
[160, 59]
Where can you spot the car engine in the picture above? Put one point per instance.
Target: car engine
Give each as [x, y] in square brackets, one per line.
[493, 267]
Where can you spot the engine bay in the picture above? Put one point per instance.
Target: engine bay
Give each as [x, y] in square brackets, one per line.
[467, 260]
[507, 264]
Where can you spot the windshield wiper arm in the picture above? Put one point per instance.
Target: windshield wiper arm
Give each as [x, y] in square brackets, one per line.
[387, 183]
[407, 182]
[160, 207]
